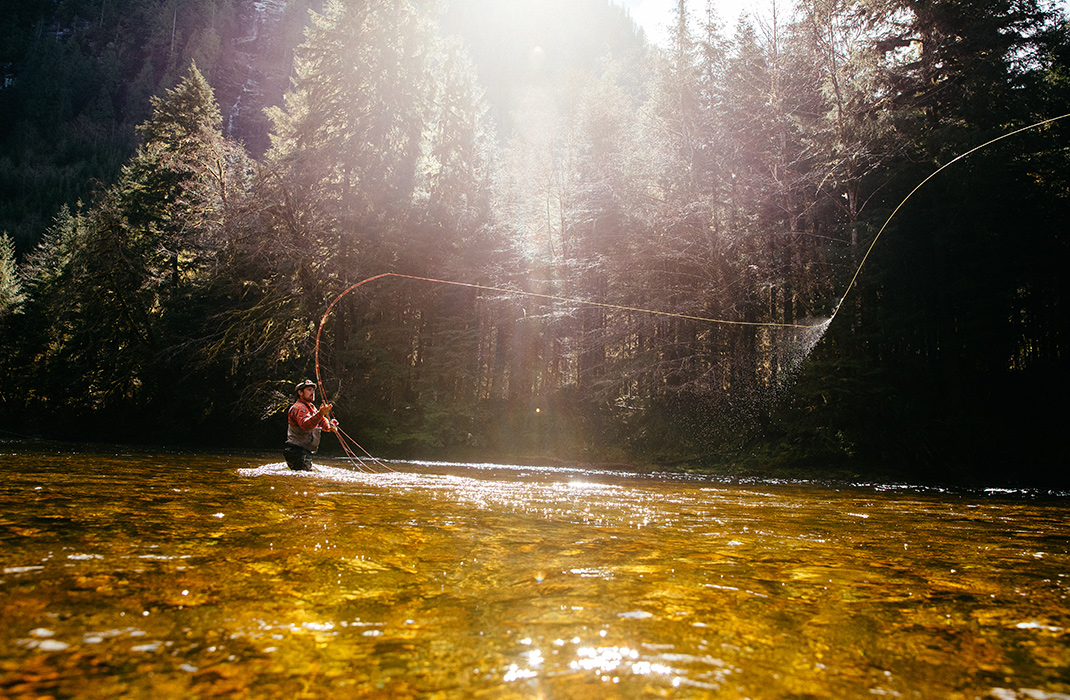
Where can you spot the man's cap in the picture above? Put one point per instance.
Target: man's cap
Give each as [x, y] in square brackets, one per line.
[306, 383]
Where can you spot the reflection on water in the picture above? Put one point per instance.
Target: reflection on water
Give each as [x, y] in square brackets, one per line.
[177, 575]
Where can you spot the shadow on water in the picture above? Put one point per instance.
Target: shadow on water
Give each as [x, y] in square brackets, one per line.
[177, 575]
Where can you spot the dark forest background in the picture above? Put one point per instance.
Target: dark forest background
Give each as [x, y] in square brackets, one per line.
[185, 186]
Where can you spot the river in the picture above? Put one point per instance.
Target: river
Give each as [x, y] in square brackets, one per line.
[128, 573]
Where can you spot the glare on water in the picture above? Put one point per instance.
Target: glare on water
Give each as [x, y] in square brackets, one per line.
[175, 575]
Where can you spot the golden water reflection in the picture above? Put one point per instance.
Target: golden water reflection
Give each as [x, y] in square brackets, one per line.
[191, 575]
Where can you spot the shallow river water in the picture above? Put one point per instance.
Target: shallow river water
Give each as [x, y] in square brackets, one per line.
[134, 574]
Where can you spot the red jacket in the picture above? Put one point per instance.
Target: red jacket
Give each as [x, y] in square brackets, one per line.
[304, 426]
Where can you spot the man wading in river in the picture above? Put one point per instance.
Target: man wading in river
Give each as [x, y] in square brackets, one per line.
[305, 425]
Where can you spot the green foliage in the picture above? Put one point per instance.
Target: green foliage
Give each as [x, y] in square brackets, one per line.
[11, 296]
[116, 291]
[186, 113]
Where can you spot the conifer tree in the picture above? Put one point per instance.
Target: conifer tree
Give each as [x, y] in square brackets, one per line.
[120, 287]
[379, 162]
[458, 150]
[186, 113]
[175, 190]
[11, 296]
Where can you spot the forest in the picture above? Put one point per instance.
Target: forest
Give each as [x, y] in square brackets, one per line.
[186, 186]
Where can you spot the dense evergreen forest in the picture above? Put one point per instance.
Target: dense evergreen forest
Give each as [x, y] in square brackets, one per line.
[185, 187]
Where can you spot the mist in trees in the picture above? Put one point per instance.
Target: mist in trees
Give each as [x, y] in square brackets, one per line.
[738, 175]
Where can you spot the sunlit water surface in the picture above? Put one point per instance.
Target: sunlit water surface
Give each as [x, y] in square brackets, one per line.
[194, 575]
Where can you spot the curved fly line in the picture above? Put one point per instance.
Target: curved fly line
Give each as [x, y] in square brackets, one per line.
[372, 464]
[934, 173]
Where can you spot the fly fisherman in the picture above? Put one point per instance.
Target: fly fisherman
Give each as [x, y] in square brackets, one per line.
[305, 424]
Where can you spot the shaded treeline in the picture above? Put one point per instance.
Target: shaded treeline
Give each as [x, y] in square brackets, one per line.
[77, 75]
[733, 175]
